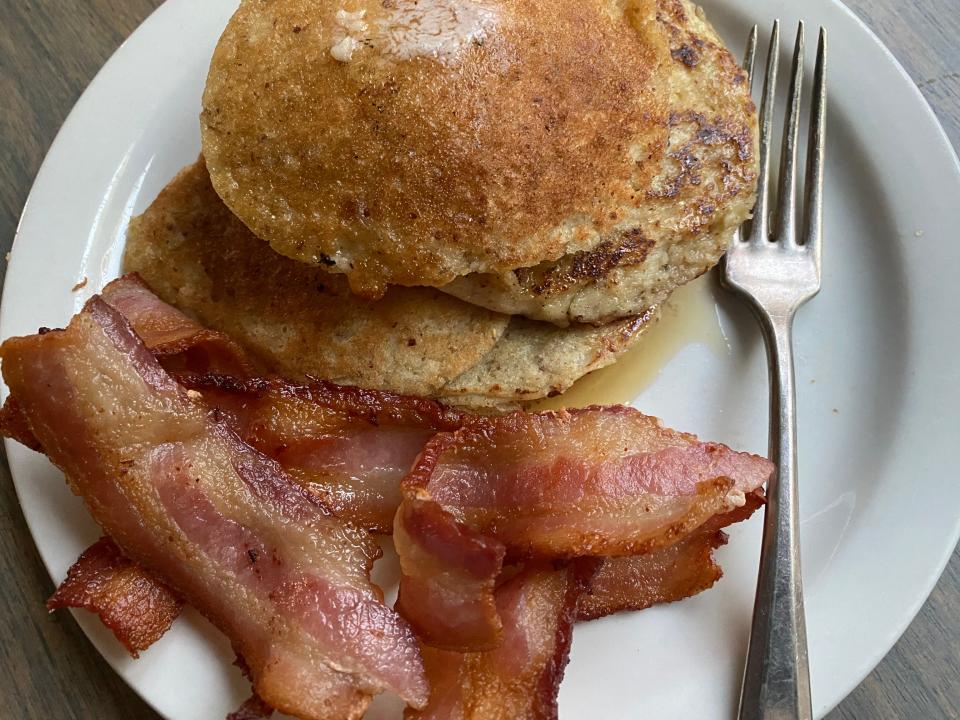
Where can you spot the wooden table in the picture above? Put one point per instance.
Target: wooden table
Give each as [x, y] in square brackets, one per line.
[49, 52]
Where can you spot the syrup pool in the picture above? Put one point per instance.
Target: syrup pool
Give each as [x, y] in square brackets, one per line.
[689, 317]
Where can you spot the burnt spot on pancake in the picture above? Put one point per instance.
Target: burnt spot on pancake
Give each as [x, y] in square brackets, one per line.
[672, 10]
[686, 54]
[726, 176]
[590, 265]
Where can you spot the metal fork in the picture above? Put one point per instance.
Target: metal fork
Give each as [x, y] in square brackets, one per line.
[777, 268]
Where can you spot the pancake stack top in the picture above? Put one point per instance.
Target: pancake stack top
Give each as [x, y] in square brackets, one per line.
[474, 200]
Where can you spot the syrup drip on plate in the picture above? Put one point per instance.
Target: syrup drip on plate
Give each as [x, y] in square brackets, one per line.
[689, 317]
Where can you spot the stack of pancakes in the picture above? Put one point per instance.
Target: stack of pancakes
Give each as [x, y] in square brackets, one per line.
[474, 200]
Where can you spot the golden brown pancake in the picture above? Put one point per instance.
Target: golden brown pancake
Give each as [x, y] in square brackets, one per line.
[702, 187]
[535, 360]
[301, 321]
[298, 319]
[411, 142]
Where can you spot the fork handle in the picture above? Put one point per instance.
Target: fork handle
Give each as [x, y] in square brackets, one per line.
[776, 684]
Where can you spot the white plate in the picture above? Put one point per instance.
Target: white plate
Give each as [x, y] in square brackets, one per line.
[876, 367]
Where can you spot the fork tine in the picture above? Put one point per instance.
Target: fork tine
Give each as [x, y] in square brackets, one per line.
[785, 230]
[813, 202]
[749, 64]
[750, 56]
[760, 228]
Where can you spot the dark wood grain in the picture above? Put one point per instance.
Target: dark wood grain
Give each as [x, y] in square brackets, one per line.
[49, 52]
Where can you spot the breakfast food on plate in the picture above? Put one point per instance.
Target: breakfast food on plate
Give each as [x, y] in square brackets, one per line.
[132, 602]
[521, 678]
[701, 187]
[298, 319]
[280, 570]
[564, 161]
[672, 573]
[600, 482]
[533, 360]
[410, 217]
[302, 321]
[220, 523]
[324, 436]
[414, 142]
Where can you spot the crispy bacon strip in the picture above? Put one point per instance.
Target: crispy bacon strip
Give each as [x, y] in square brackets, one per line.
[673, 573]
[451, 566]
[176, 340]
[350, 447]
[129, 600]
[13, 424]
[219, 522]
[179, 343]
[134, 604]
[520, 679]
[608, 482]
